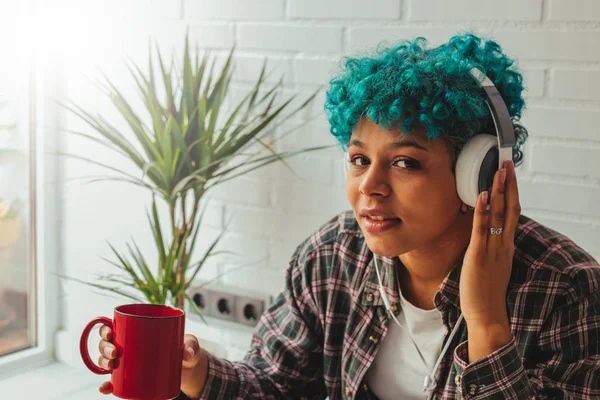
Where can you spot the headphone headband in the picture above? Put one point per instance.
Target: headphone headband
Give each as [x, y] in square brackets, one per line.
[500, 115]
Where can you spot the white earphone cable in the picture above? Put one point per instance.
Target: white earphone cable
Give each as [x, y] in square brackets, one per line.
[429, 382]
[388, 307]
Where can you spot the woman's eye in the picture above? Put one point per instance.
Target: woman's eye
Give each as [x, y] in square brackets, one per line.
[407, 164]
[358, 161]
[404, 163]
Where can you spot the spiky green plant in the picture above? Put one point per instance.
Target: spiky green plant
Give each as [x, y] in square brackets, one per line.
[185, 151]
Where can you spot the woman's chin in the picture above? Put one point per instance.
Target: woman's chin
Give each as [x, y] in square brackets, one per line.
[386, 246]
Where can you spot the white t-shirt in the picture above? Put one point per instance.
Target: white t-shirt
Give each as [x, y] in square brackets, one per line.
[398, 371]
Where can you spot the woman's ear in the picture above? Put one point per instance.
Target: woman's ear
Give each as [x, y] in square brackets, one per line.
[465, 209]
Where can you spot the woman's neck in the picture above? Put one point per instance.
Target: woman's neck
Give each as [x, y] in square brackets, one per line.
[422, 270]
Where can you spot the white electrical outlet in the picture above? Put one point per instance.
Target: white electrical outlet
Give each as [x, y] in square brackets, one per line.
[229, 303]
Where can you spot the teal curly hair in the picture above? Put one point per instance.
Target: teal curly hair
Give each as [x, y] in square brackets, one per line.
[410, 86]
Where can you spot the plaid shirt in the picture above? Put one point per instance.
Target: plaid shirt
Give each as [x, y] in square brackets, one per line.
[322, 333]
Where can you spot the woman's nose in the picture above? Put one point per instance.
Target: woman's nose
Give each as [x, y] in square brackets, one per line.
[374, 182]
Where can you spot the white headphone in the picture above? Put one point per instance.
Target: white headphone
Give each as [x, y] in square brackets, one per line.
[485, 153]
[477, 163]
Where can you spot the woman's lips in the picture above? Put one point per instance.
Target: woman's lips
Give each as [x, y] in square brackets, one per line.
[378, 226]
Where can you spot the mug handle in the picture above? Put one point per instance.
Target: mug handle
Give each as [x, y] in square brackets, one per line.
[83, 345]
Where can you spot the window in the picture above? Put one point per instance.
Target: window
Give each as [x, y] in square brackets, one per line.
[27, 293]
[17, 221]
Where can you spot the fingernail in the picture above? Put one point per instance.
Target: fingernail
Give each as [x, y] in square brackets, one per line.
[502, 176]
[507, 164]
[190, 351]
[108, 351]
[484, 197]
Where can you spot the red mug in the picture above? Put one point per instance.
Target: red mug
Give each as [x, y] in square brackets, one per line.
[149, 341]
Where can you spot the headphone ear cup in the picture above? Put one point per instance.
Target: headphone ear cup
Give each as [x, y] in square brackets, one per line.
[475, 167]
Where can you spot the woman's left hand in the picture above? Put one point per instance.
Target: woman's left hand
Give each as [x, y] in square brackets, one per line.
[488, 260]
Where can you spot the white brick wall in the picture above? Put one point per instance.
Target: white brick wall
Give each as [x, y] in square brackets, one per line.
[563, 122]
[344, 9]
[551, 45]
[575, 84]
[314, 70]
[564, 159]
[553, 194]
[574, 10]
[555, 41]
[234, 9]
[290, 37]
[214, 35]
[534, 86]
[469, 10]
[249, 67]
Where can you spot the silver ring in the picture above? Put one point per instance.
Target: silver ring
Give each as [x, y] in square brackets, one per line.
[495, 231]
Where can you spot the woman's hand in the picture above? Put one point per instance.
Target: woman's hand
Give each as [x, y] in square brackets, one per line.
[487, 265]
[194, 366]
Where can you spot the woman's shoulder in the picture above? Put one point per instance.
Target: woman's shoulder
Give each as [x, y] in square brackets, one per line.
[544, 254]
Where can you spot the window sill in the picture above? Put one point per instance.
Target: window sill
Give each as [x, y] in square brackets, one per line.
[56, 381]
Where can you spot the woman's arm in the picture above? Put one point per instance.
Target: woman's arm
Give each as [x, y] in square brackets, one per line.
[565, 364]
[285, 358]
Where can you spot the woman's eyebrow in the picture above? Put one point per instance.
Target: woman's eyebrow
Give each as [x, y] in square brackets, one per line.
[402, 142]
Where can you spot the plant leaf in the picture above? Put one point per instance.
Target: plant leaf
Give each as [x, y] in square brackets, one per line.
[154, 221]
[206, 255]
[194, 307]
[98, 286]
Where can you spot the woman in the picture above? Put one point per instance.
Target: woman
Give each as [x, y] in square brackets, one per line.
[482, 304]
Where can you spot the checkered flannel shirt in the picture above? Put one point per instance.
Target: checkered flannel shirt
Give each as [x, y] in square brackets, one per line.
[322, 333]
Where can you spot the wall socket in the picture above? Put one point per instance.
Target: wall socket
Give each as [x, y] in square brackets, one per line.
[229, 303]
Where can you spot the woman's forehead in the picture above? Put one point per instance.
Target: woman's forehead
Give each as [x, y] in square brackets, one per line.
[369, 134]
